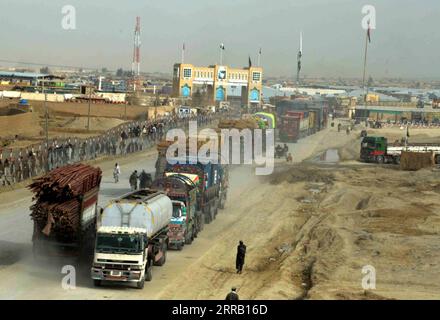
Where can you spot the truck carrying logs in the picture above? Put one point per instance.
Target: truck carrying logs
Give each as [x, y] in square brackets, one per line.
[64, 212]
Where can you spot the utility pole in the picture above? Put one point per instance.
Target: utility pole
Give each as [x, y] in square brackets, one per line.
[298, 66]
[365, 63]
[46, 116]
[88, 113]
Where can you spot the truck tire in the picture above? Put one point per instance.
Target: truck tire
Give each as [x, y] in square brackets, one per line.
[148, 275]
[212, 212]
[221, 204]
[380, 159]
[397, 160]
[190, 238]
[179, 246]
[97, 283]
[163, 259]
[140, 284]
[207, 215]
[216, 205]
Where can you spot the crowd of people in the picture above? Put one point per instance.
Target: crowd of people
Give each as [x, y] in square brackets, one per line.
[17, 165]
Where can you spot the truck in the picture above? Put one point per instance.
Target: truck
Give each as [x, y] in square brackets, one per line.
[51, 239]
[186, 221]
[289, 130]
[210, 180]
[65, 212]
[132, 237]
[304, 123]
[377, 149]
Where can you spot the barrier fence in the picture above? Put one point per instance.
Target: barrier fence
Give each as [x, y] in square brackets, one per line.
[17, 165]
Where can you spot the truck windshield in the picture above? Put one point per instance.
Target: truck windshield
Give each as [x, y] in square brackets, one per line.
[177, 211]
[119, 243]
[368, 143]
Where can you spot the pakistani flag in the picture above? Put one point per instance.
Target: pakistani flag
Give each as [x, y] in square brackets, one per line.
[369, 32]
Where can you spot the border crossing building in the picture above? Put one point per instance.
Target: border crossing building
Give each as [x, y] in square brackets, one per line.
[219, 83]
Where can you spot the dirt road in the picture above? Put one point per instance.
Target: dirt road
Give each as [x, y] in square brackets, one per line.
[309, 227]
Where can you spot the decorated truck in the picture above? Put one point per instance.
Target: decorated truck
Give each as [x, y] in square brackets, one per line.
[186, 221]
[212, 184]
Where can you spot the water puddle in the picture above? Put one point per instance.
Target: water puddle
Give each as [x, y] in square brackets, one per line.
[330, 156]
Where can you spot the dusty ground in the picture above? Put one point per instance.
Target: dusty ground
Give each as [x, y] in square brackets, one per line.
[66, 120]
[309, 227]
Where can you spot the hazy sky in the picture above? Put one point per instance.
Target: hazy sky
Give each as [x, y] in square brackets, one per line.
[406, 42]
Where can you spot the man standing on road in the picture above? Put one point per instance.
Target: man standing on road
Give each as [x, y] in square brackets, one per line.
[144, 180]
[116, 172]
[241, 253]
[133, 180]
[233, 295]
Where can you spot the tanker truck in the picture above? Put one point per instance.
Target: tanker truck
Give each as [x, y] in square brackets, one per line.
[132, 237]
[186, 222]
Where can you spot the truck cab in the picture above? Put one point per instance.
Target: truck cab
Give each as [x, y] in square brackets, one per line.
[373, 149]
[132, 237]
[186, 220]
[120, 255]
[177, 229]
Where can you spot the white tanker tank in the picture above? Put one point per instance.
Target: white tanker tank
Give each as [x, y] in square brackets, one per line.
[138, 212]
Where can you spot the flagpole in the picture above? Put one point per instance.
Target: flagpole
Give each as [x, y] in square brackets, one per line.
[183, 53]
[365, 67]
[221, 55]
[259, 58]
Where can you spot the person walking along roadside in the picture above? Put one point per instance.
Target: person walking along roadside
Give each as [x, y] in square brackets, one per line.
[134, 181]
[241, 254]
[116, 172]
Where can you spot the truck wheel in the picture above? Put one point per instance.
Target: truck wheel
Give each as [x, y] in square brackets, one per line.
[397, 160]
[212, 213]
[380, 159]
[207, 215]
[179, 246]
[190, 238]
[97, 283]
[162, 260]
[148, 275]
[202, 222]
[221, 204]
[140, 284]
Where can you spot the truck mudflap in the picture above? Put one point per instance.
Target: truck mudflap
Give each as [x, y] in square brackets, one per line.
[176, 244]
[176, 236]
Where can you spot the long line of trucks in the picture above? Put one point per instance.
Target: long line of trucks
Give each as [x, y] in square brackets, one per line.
[132, 233]
[138, 228]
